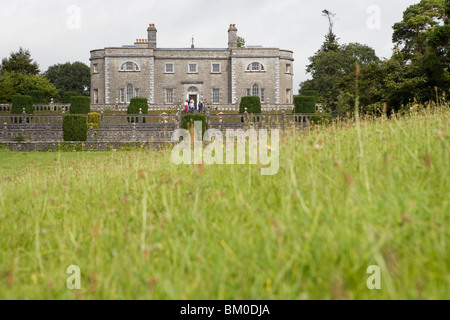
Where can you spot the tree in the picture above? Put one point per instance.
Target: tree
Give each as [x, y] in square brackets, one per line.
[241, 42]
[410, 35]
[20, 62]
[331, 40]
[70, 77]
[327, 69]
[12, 83]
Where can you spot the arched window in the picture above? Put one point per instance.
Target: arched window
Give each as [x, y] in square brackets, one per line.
[129, 66]
[130, 92]
[255, 67]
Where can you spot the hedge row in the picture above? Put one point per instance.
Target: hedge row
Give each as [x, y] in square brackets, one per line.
[94, 118]
[305, 104]
[321, 119]
[253, 104]
[136, 104]
[75, 128]
[38, 96]
[19, 102]
[80, 105]
[188, 121]
[67, 97]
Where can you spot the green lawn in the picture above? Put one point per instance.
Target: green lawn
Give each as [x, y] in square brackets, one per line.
[140, 227]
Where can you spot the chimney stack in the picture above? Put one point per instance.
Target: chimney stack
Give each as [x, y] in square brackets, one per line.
[232, 37]
[152, 36]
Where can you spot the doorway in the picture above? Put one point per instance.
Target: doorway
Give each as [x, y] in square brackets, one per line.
[195, 98]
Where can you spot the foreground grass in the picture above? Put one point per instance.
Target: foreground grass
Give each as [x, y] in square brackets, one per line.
[140, 227]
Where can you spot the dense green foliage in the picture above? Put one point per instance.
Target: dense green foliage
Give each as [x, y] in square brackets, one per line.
[321, 119]
[74, 76]
[13, 83]
[75, 127]
[20, 62]
[80, 105]
[67, 96]
[305, 104]
[38, 96]
[136, 104]
[93, 118]
[417, 72]
[252, 103]
[20, 102]
[189, 119]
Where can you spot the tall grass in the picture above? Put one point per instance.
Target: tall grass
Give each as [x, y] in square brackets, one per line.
[140, 227]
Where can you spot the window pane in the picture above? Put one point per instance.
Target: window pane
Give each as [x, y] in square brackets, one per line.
[255, 90]
[122, 95]
[216, 95]
[255, 66]
[216, 67]
[136, 93]
[130, 66]
[169, 96]
[169, 67]
[192, 68]
[248, 92]
[129, 93]
[263, 95]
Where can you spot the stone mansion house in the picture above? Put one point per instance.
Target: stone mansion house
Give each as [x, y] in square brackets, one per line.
[217, 76]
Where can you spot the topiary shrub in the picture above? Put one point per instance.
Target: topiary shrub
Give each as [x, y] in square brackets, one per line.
[188, 121]
[67, 96]
[80, 105]
[321, 119]
[19, 102]
[38, 96]
[253, 104]
[94, 118]
[136, 104]
[305, 104]
[311, 93]
[74, 128]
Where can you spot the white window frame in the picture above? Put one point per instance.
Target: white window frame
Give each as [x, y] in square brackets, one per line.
[170, 96]
[169, 64]
[122, 95]
[251, 67]
[288, 96]
[129, 92]
[95, 67]
[95, 96]
[192, 64]
[136, 92]
[124, 67]
[216, 64]
[262, 93]
[288, 68]
[215, 96]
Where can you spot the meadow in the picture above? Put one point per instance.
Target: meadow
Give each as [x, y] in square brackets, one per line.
[347, 196]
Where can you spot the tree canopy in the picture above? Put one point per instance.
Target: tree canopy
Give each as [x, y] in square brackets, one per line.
[20, 62]
[70, 77]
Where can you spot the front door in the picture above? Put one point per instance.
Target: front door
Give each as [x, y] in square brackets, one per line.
[193, 97]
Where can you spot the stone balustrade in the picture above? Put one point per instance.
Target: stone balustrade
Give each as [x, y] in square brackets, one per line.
[139, 127]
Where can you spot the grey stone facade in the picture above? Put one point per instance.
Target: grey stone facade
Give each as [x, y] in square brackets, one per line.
[218, 76]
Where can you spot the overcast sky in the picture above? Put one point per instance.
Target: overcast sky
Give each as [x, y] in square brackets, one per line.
[62, 31]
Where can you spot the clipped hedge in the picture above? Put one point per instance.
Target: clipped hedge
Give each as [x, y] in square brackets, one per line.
[94, 118]
[19, 102]
[321, 119]
[75, 127]
[305, 104]
[67, 96]
[80, 105]
[136, 104]
[253, 104]
[38, 96]
[311, 93]
[188, 121]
